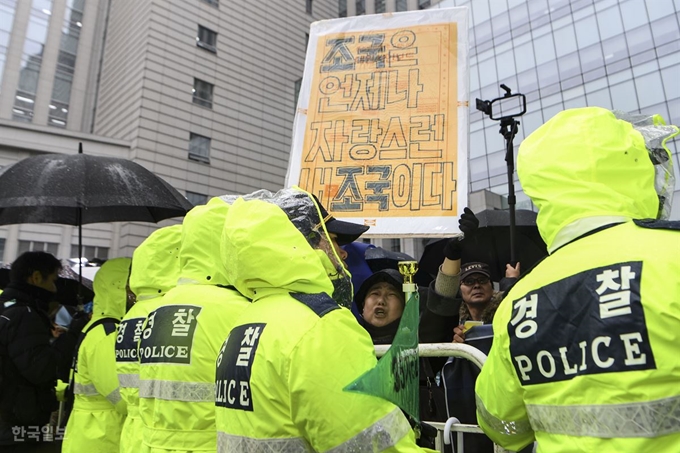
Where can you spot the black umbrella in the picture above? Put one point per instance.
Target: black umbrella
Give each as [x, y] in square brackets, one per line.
[490, 244]
[379, 258]
[80, 189]
[68, 286]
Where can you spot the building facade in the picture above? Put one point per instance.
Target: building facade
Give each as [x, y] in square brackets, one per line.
[203, 92]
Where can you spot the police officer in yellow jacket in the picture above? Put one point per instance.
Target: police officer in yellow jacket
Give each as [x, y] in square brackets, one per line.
[585, 350]
[181, 340]
[281, 372]
[155, 269]
[98, 410]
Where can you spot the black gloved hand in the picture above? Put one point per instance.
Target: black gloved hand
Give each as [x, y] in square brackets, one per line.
[468, 223]
[80, 319]
[453, 249]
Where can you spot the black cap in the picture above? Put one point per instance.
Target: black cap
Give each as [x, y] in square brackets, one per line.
[346, 232]
[474, 268]
[391, 276]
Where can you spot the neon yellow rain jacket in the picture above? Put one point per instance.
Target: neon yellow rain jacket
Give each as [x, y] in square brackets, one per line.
[585, 350]
[155, 269]
[98, 410]
[181, 340]
[281, 372]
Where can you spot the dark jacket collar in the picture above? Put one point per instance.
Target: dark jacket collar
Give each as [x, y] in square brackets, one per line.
[381, 335]
[27, 294]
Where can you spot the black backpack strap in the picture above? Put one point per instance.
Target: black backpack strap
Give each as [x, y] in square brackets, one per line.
[108, 322]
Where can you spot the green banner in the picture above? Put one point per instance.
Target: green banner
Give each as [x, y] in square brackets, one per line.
[395, 377]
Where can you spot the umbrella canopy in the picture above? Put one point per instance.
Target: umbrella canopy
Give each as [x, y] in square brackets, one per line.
[79, 189]
[490, 244]
[67, 285]
[379, 258]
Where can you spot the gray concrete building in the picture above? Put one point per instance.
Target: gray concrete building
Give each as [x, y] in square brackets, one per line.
[201, 92]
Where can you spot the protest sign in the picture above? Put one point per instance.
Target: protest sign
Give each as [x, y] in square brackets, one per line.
[381, 128]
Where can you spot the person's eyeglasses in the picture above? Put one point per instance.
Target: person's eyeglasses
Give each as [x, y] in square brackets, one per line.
[470, 281]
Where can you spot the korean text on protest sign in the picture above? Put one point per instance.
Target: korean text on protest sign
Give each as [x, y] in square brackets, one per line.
[381, 127]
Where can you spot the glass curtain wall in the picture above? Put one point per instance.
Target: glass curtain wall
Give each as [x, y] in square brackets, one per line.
[31, 60]
[66, 63]
[7, 8]
[562, 54]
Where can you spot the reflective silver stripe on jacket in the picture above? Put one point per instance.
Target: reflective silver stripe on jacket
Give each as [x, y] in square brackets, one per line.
[226, 443]
[129, 380]
[84, 389]
[507, 427]
[647, 419]
[177, 390]
[114, 397]
[381, 435]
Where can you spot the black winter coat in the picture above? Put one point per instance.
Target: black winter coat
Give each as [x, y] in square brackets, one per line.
[28, 359]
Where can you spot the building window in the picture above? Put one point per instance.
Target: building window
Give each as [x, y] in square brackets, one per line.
[206, 39]
[31, 60]
[379, 6]
[2, 247]
[91, 252]
[342, 8]
[308, 6]
[393, 245]
[35, 246]
[361, 7]
[203, 93]
[298, 85]
[401, 5]
[215, 3]
[7, 15]
[424, 4]
[366, 240]
[199, 148]
[66, 64]
[196, 198]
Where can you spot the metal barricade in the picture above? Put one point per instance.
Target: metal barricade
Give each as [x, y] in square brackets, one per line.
[459, 350]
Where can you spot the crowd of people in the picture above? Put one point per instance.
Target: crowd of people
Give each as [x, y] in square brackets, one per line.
[232, 332]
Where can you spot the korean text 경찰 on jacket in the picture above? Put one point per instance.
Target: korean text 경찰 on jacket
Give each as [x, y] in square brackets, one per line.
[155, 270]
[585, 350]
[181, 340]
[281, 371]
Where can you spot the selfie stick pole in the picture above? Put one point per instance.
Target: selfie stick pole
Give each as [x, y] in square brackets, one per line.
[509, 127]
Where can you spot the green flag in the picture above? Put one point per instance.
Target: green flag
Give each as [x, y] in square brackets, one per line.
[395, 377]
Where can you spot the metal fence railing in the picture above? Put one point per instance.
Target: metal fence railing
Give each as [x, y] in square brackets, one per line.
[452, 425]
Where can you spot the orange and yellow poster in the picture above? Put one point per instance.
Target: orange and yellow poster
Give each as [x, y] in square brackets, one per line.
[381, 128]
